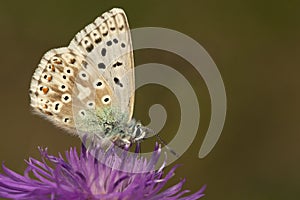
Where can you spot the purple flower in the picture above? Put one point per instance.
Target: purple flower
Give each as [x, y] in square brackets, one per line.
[82, 177]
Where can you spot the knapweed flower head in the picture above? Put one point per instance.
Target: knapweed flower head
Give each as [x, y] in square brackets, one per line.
[82, 177]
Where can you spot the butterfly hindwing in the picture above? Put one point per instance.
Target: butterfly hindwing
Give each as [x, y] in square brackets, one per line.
[62, 86]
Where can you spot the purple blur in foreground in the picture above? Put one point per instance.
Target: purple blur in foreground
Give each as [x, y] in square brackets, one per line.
[82, 177]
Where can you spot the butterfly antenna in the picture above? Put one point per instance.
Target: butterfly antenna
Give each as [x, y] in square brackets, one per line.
[164, 143]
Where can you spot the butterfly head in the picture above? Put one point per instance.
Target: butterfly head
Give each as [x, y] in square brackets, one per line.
[126, 133]
[140, 132]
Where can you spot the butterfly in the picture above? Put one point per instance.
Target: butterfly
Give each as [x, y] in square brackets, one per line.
[88, 87]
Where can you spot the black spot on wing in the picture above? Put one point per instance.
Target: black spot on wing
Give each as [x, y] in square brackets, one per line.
[109, 43]
[89, 48]
[84, 63]
[98, 40]
[117, 64]
[117, 81]
[103, 52]
[101, 66]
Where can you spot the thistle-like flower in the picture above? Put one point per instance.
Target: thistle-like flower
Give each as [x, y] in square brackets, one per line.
[82, 177]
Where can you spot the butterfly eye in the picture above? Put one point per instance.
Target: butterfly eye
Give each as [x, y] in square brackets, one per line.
[107, 128]
[105, 99]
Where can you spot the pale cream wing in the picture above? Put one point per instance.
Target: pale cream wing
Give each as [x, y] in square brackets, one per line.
[107, 45]
[63, 85]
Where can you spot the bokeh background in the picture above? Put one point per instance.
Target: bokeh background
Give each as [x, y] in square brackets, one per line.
[255, 45]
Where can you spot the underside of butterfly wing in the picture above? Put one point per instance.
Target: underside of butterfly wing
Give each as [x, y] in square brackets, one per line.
[88, 87]
[107, 45]
[63, 85]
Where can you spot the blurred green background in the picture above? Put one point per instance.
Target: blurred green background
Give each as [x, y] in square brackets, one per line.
[255, 45]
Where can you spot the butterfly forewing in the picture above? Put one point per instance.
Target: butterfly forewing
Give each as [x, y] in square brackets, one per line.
[107, 45]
